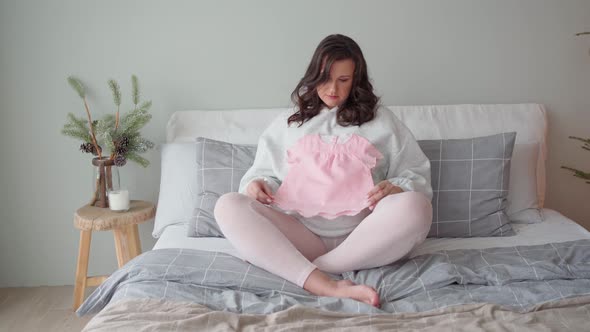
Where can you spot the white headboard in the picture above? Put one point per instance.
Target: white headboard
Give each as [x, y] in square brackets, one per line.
[426, 122]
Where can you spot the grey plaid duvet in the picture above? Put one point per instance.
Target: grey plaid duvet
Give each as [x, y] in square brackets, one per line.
[516, 278]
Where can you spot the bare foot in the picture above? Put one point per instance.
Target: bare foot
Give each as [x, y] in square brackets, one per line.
[362, 293]
[319, 283]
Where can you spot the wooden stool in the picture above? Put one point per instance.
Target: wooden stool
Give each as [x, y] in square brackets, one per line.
[127, 245]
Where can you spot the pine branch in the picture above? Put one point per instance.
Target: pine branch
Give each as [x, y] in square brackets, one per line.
[78, 86]
[134, 141]
[75, 122]
[70, 126]
[133, 136]
[116, 98]
[109, 144]
[585, 140]
[578, 173]
[76, 128]
[140, 145]
[145, 106]
[135, 90]
[138, 159]
[92, 129]
[134, 121]
[104, 126]
[111, 129]
[81, 122]
[81, 135]
[116, 92]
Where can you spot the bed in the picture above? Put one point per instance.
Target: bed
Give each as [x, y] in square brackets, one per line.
[536, 279]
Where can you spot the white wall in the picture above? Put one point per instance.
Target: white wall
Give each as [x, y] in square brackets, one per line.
[230, 54]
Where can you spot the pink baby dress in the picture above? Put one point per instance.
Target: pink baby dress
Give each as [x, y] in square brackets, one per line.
[328, 179]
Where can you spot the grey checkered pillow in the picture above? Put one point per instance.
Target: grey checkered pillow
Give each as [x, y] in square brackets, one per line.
[220, 167]
[470, 184]
[470, 188]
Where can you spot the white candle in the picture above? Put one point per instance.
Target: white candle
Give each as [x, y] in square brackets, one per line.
[119, 200]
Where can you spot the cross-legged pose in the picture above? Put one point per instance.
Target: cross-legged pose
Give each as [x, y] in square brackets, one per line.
[338, 183]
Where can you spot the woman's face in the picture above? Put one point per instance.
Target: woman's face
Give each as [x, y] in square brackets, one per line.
[335, 91]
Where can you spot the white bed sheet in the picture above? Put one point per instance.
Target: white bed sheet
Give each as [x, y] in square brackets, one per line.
[174, 236]
[555, 228]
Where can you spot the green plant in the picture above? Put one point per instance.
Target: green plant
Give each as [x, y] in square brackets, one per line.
[578, 173]
[586, 141]
[120, 135]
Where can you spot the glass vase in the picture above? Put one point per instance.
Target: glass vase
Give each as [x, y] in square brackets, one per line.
[105, 178]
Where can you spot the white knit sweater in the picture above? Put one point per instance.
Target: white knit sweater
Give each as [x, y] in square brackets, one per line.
[403, 163]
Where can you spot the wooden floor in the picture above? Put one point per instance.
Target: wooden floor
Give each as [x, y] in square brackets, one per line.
[39, 309]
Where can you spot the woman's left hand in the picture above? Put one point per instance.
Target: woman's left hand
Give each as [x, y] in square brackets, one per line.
[382, 189]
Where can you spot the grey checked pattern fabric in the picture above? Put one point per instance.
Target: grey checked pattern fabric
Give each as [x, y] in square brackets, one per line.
[220, 167]
[470, 184]
[515, 277]
[469, 179]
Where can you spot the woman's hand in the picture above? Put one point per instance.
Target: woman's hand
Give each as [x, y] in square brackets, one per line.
[260, 191]
[382, 189]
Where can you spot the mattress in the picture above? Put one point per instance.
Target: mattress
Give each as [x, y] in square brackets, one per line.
[554, 228]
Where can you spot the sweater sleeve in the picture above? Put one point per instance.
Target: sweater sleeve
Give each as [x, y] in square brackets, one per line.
[409, 168]
[269, 153]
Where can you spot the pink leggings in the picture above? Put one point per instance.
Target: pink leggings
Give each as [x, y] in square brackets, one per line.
[282, 245]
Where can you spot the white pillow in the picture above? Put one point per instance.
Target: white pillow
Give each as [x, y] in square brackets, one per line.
[178, 177]
[528, 216]
[523, 200]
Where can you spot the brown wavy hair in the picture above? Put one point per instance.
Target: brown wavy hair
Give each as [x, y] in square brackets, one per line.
[360, 105]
